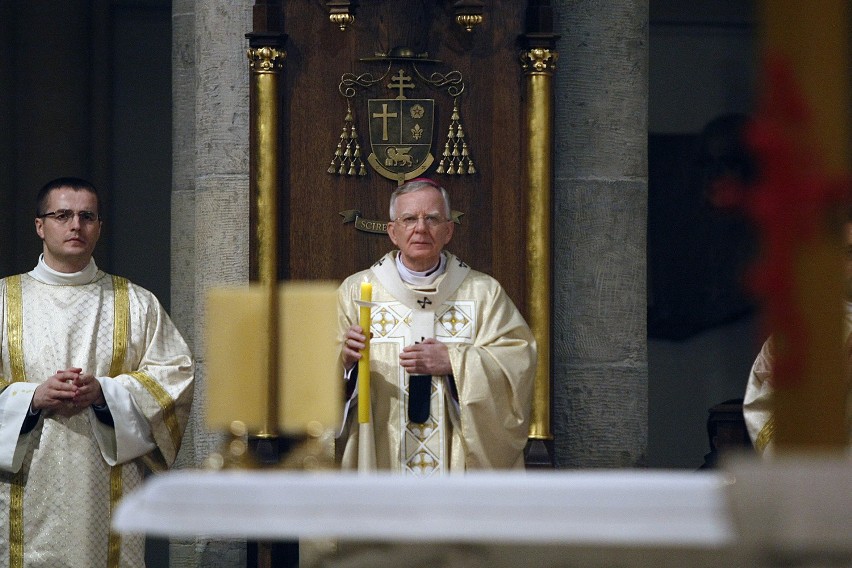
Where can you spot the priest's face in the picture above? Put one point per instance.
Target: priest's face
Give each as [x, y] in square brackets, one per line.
[71, 229]
[421, 229]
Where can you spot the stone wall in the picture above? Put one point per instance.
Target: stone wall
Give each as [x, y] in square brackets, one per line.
[210, 202]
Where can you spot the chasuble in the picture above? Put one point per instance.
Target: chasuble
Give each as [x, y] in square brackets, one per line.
[479, 416]
[60, 481]
[757, 402]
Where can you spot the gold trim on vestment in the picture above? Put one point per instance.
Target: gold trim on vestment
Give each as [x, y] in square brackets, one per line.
[122, 320]
[115, 490]
[165, 401]
[766, 434]
[15, 331]
[120, 340]
[16, 521]
[15, 326]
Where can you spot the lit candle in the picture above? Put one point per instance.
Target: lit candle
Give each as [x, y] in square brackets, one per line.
[237, 356]
[309, 387]
[364, 362]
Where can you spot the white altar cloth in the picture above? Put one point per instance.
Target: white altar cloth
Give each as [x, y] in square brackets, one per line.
[635, 508]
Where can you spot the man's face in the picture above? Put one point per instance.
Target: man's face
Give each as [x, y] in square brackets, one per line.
[68, 245]
[421, 244]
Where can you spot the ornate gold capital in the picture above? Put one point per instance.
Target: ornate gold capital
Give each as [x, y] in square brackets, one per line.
[342, 20]
[341, 13]
[266, 59]
[469, 21]
[539, 60]
[469, 13]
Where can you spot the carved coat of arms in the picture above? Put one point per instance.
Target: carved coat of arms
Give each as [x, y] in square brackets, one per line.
[401, 136]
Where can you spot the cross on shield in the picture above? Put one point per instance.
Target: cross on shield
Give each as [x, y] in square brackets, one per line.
[401, 137]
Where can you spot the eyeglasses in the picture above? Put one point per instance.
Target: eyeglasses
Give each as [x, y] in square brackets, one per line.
[410, 221]
[62, 216]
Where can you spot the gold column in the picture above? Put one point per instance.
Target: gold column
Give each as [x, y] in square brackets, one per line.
[266, 66]
[538, 65]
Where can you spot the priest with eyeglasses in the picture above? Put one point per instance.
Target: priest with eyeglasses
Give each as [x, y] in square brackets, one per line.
[452, 361]
[96, 385]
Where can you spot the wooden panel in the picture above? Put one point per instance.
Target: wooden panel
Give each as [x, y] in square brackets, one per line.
[491, 236]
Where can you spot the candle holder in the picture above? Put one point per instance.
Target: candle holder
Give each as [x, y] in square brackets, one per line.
[235, 452]
[310, 452]
[273, 396]
[313, 452]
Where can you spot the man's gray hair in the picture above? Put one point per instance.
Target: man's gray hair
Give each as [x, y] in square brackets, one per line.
[416, 185]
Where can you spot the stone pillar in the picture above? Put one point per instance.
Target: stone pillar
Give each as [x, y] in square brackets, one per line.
[210, 202]
[600, 371]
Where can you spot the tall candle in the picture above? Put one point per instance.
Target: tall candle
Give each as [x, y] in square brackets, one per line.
[813, 37]
[237, 356]
[309, 387]
[364, 362]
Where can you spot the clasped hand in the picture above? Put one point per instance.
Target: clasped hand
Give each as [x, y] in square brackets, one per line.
[429, 357]
[68, 390]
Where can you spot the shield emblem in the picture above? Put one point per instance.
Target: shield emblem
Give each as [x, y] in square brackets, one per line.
[401, 137]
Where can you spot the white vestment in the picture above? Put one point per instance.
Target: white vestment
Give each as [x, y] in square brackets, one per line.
[492, 351]
[757, 402]
[60, 481]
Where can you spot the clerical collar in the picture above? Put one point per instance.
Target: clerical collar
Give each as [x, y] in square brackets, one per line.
[420, 279]
[45, 274]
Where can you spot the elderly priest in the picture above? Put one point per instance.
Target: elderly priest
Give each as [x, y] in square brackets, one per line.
[451, 360]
